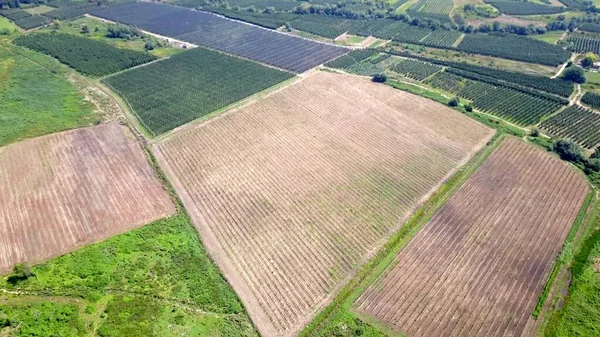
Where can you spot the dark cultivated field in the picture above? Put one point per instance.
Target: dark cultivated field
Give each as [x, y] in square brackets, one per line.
[170, 93]
[206, 29]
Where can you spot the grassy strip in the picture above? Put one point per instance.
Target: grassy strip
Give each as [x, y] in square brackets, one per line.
[378, 264]
[566, 253]
[579, 315]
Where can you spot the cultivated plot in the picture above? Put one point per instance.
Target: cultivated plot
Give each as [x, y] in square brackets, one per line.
[66, 190]
[293, 192]
[478, 267]
[216, 32]
[577, 123]
[170, 93]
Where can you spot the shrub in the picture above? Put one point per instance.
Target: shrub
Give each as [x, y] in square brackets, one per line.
[469, 108]
[454, 101]
[379, 78]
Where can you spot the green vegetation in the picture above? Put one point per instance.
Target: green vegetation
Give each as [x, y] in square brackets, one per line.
[338, 319]
[166, 94]
[153, 281]
[549, 37]
[580, 314]
[120, 36]
[514, 48]
[87, 56]
[350, 59]
[579, 124]
[566, 252]
[415, 69]
[584, 43]
[523, 8]
[573, 74]
[441, 38]
[35, 96]
[592, 99]
[499, 77]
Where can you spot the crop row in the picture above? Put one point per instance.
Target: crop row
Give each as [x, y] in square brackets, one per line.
[592, 99]
[514, 48]
[87, 56]
[351, 58]
[582, 44]
[441, 38]
[284, 51]
[512, 105]
[576, 123]
[542, 83]
[172, 92]
[524, 8]
[440, 7]
[446, 81]
[415, 69]
[478, 266]
[293, 203]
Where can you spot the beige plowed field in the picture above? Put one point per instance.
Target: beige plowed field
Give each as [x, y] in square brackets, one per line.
[478, 267]
[293, 192]
[65, 190]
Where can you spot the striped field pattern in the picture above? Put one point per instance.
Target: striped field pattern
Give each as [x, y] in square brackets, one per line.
[66, 190]
[477, 268]
[293, 192]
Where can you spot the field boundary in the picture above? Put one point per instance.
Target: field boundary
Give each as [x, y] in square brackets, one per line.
[397, 241]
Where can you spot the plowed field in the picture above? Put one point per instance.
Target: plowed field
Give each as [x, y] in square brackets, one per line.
[293, 192]
[65, 190]
[478, 267]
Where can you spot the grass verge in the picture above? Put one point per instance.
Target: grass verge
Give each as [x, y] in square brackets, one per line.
[338, 319]
[566, 253]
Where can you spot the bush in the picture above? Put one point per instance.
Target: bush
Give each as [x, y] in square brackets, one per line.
[535, 133]
[379, 78]
[469, 108]
[454, 101]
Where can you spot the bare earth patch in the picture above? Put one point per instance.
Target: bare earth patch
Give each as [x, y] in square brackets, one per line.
[66, 190]
[292, 193]
[597, 265]
[478, 267]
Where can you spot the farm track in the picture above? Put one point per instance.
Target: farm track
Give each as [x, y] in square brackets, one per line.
[474, 270]
[300, 188]
[81, 186]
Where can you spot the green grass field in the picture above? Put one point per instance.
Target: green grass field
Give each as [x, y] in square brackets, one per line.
[5, 24]
[549, 37]
[153, 281]
[35, 96]
[39, 9]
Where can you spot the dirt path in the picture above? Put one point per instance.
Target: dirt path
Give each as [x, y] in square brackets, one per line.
[564, 65]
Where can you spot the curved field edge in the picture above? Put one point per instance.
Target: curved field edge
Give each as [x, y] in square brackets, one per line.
[339, 316]
[157, 279]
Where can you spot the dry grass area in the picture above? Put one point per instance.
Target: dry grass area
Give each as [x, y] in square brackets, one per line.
[66, 190]
[478, 267]
[293, 192]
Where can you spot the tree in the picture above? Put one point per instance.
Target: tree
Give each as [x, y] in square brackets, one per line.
[85, 29]
[535, 132]
[288, 26]
[454, 101]
[568, 150]
[469, 108]
[574, 74]
[588, 60]
[379, 78]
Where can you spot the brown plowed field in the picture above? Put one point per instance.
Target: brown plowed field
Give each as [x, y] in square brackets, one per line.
[65, 190]
[478, 267]
[293, 192]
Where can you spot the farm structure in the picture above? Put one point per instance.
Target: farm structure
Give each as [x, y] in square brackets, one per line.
[70, 189]
[170, 93]
[478, 266]
[277, 49]
[293, 192]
